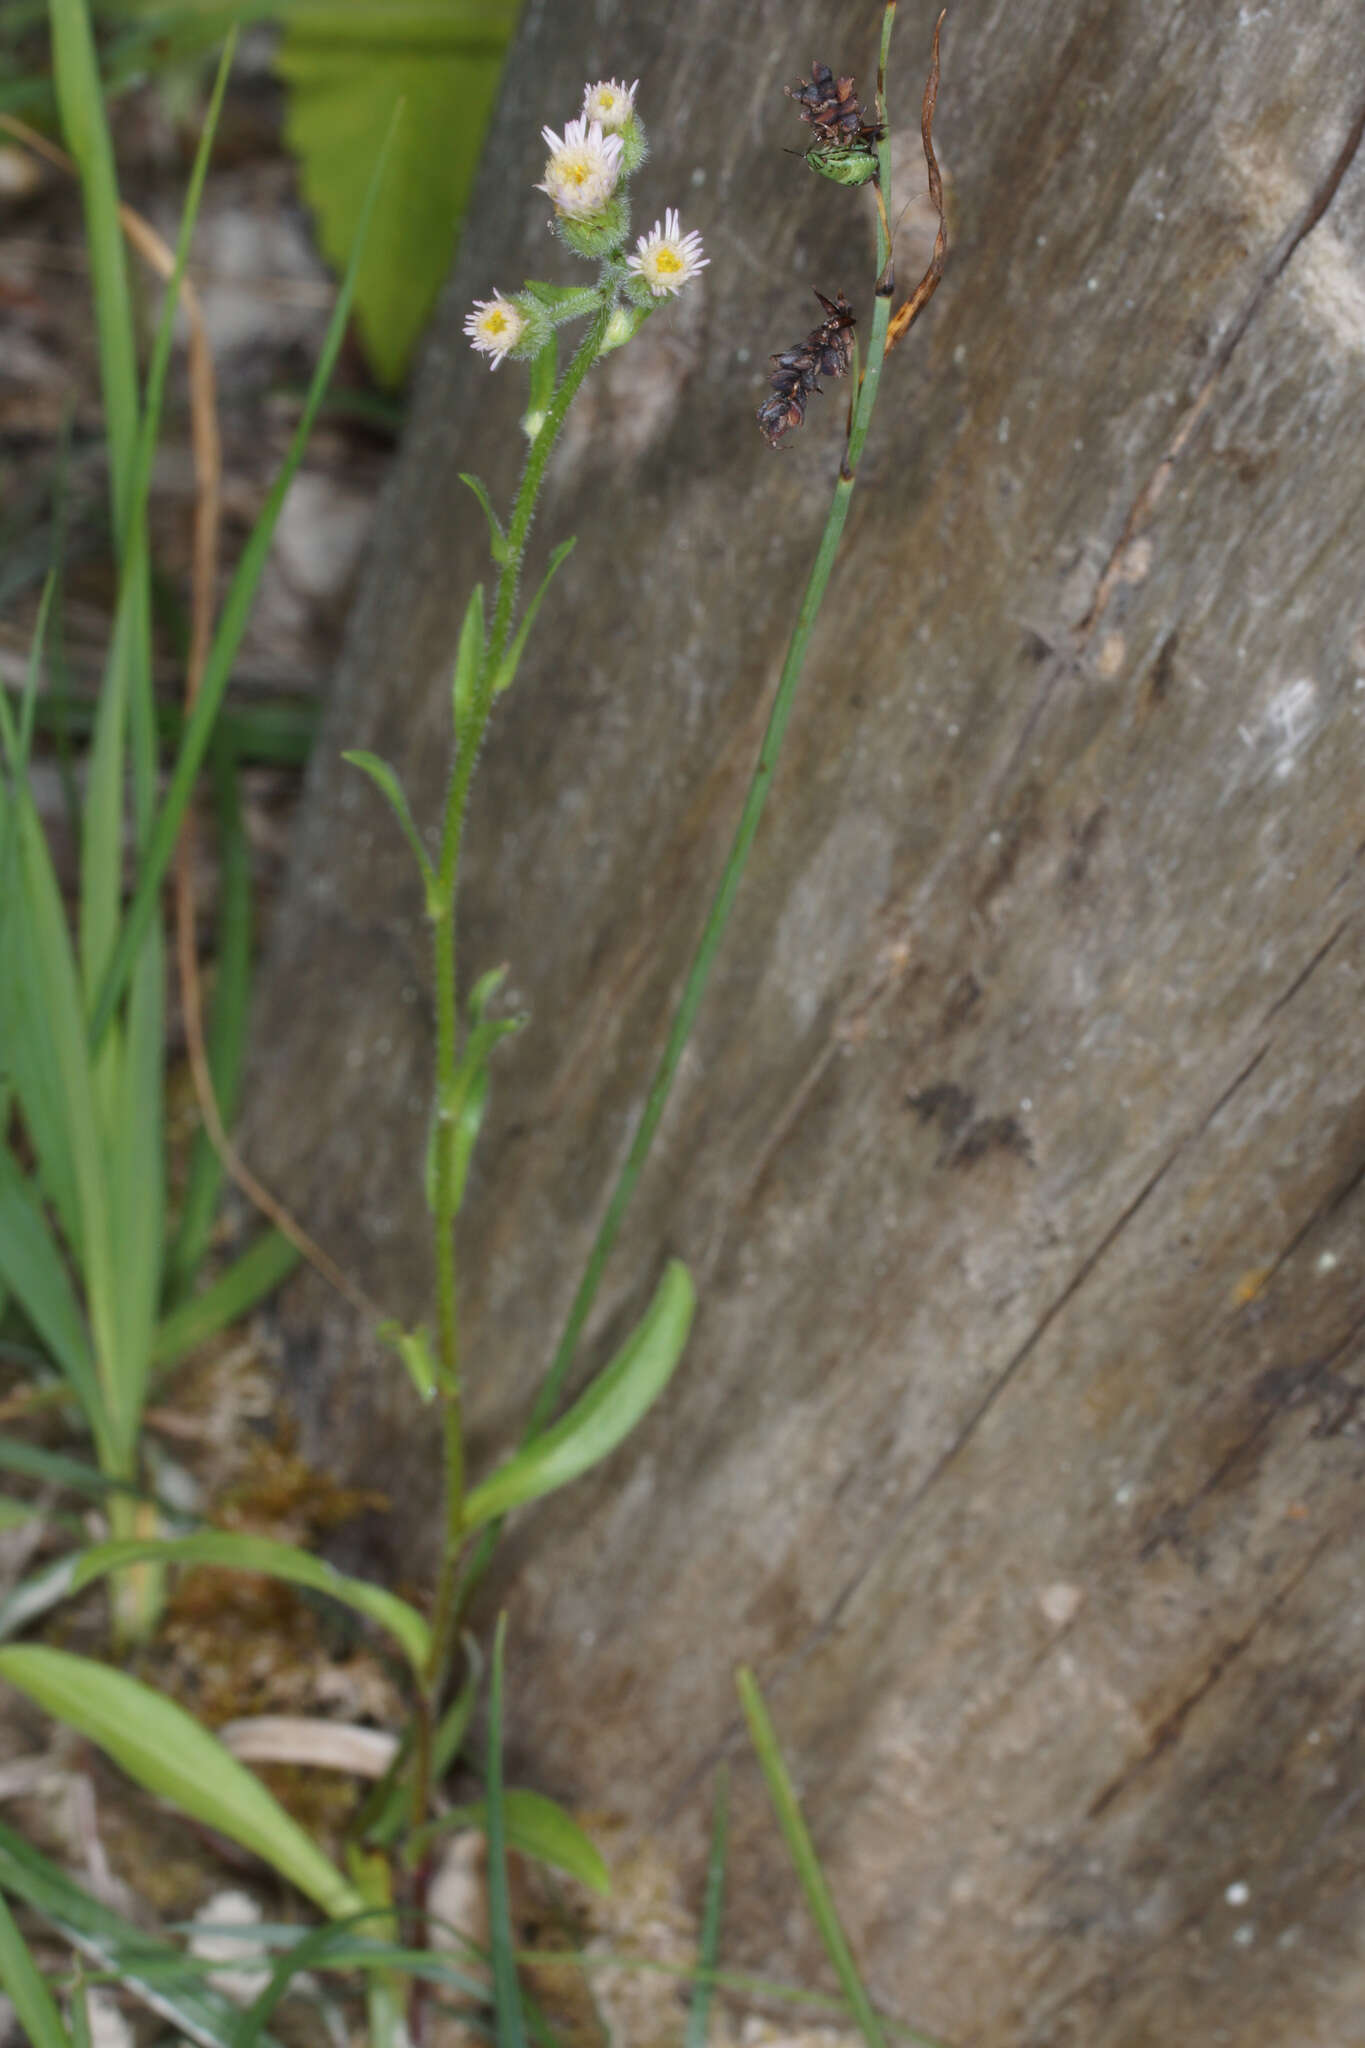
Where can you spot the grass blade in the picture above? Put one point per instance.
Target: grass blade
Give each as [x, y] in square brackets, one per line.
[33, 2003]
[511, 2027]
[31, 1267]
[236, 611]
[802, 1852]
[230, 1551]
[152, 1970]
[708, 1948]
[80, 100]
[258, 1272]
[227, 1026]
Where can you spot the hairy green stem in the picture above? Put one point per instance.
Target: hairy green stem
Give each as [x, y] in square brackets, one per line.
[469, 739]
[728, 888]
[723, 902]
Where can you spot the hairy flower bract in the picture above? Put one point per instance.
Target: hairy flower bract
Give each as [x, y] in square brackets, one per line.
[583, 168]
[667, 258]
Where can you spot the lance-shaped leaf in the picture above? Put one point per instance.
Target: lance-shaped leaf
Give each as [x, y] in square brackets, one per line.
[497, 539]
[385, 778]
[536, 1826]
[604, 1414]
[231, 1552]
[507, 669]
[464, 682]
[164, 1750]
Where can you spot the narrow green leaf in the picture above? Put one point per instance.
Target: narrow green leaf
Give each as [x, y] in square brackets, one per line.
[468, 662]
[708, 1948]
[32, 1268]
[159, 1746]
[237, 1553]
[545, 374]
[604, 1414]
[497, 539]
[511, 2030]
[385, 778]
[161, 1976]
[227, 1032]
[34, 2006]
[801, 1849]
[80, 2013]
[232, 623]
[80, 99]
[50, 1468]
[540, 1828]
[262, 1267]
[414, 1348]
[36, 1595]
[506, 674]
[57, 1008]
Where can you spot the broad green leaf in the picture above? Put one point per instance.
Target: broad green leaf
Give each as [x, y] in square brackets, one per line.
[464, 681]
[385, 778]
[801, 1849]
[343, 88]
[235, 1553]
[166, 1980]
[34, 2006]
[604, 1414]
[32, 1268]
[168, 1753]
[497, 539]
[507, 2013]
[540, 1828]
[262, 1267]
[507, 672]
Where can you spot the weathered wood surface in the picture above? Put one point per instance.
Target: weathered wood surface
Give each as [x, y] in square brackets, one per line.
[1019, 1159]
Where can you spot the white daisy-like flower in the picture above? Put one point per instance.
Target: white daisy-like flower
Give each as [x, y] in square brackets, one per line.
[495, 326]
[609, 104]
[583, 169]
[667, 258]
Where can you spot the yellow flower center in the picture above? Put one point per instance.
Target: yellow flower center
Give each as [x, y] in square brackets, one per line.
[497, 321]
[576, 173]
[667, 263]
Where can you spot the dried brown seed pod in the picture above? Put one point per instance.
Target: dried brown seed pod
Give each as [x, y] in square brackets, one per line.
[826, 351]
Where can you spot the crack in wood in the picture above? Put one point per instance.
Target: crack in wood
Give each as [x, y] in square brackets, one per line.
[1297, 983]
[1148, 497]
[830, 1621]
[1172, 1724]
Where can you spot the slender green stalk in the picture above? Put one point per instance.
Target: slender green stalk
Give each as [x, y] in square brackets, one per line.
[469, 740]
[723, 902]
